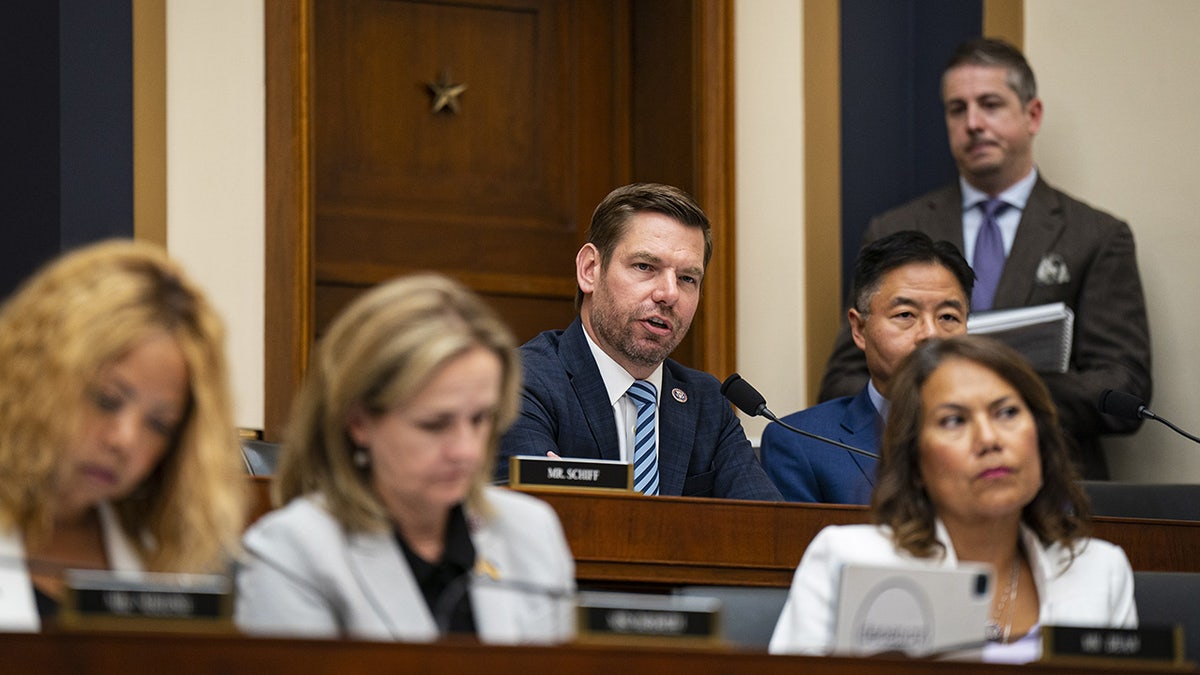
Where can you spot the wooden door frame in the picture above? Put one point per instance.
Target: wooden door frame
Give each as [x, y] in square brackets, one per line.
[289, 198]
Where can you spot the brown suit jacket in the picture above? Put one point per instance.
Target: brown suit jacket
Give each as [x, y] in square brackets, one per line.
[1064, 251]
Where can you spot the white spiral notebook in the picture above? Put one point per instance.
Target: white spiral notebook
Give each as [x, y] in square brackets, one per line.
[1042, 333]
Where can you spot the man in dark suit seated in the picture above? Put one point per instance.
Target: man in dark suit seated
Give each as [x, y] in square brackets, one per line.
[1029, 244]
[906, 289]
[605, 389]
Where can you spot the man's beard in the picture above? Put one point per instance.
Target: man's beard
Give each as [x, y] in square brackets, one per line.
[618, 331]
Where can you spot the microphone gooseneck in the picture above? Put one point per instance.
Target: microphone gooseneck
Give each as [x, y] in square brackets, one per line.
[1127, 406]
[747, 399]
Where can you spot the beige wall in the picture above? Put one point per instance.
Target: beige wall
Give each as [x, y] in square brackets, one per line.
[770, 203]
[215, 172]
[1116, 76]
[1120, 95]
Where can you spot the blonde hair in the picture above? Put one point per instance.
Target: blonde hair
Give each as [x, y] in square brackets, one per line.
[77, 315]
[378, 354]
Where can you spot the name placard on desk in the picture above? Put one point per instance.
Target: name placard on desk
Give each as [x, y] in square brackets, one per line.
[1068, 644]
[106, 600]
[563, 473]
[625, 617]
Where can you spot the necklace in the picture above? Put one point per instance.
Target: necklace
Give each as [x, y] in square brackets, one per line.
[993, 631]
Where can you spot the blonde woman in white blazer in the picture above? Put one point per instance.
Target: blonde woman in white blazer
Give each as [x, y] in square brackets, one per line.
[974, 467]
[389, 530]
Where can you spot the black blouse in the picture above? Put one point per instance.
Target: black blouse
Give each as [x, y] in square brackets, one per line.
[47, 607]
[445, 583]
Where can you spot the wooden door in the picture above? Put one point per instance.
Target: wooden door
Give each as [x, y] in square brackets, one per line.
[367, 181]
[492, 184]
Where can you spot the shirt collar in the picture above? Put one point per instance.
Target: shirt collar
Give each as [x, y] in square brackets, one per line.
[1016, 196]
[881, 404]
[616, 379]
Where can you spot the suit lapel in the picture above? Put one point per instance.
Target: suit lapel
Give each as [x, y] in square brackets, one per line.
[120, 551]
[18, 608]
[585, 378]
[494, 605]
[676, 431]
[943, 218]
[1041, 226]
[862, 426]
[386, 581]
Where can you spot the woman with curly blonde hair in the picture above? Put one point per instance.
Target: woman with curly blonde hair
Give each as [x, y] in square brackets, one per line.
[117, 443]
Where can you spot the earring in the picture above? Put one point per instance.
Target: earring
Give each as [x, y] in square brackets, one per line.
[361, 459]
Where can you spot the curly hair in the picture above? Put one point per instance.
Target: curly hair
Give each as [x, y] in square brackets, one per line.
[1060, 512]
[378, 354]
[76, 316]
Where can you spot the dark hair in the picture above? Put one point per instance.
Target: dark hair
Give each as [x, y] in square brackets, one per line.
[902, 248]
[613, 213]
[994, 52]
[1060, 512]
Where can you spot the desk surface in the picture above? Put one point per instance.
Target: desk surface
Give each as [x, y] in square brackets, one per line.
[632, 541]
[680, 540]
[116, 653]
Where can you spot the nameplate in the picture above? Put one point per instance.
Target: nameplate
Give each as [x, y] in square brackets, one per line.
[622, 617]
[563, 473]
[99, 599]
[1151, 645]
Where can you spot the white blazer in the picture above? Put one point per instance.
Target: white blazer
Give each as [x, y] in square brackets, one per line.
[1095, 591]
[18, 608]
[305, 575]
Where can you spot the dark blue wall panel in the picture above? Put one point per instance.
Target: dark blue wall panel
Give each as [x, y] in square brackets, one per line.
[66, 129]
[96, 120]
[893, 134]
[29, 142]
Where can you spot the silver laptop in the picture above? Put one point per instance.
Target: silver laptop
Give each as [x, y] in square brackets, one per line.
[918, 611]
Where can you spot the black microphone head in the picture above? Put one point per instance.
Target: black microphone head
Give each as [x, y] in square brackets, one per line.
[743, 395]
[1121, 404]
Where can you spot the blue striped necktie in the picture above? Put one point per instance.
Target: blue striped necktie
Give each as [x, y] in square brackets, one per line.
[645, 459]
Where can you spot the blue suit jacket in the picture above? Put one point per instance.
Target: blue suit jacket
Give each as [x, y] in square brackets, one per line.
[807, 470]
[703, 451]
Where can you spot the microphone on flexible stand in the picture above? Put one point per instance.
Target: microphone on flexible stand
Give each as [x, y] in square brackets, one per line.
[1127, 406]
[743, 395]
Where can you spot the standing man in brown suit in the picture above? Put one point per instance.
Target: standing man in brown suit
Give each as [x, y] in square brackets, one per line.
[1050, 246]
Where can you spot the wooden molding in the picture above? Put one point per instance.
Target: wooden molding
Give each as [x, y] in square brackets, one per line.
[822, 188]
[1005, 19]
[716, 326]
[289, 206]
[150, 121]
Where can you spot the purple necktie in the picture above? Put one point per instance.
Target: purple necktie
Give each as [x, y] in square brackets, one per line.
[989, 257]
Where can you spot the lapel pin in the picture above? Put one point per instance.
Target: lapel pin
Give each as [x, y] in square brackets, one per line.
[679, 395]
[487, 569]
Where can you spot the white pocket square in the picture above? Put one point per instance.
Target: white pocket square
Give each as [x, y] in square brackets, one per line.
[1052, 270]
